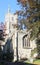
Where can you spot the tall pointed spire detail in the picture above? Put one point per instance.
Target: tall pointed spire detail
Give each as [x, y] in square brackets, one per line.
[8, 9]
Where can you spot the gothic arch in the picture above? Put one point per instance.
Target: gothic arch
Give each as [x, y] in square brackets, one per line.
[26, 41]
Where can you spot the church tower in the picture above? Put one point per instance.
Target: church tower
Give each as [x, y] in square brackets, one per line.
[11, 22]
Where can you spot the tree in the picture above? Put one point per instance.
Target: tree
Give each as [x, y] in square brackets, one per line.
[29, 15]
[1, 35]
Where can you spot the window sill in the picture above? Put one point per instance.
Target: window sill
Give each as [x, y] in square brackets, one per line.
[27, 48]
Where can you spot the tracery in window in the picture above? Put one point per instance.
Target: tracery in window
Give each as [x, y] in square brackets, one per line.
[26, 41]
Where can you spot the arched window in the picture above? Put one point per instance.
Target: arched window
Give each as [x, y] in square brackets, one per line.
[26, 41]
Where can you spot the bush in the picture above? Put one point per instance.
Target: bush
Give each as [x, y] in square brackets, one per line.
[33, 51]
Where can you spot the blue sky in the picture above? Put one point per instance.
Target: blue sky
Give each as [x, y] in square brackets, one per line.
[4, 7]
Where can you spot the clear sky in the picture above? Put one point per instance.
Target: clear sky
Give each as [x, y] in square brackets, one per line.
[4, 4]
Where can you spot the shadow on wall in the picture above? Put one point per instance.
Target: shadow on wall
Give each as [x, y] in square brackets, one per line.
[15, 63]
[22, 63]
[8, 55]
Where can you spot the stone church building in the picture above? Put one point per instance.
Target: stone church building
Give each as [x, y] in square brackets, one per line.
[21, 44]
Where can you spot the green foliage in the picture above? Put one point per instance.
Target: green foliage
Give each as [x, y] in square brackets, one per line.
[1, 35]
[37, 62]
[38, 47]
[30, 15]
[33, 52]
[35, 29]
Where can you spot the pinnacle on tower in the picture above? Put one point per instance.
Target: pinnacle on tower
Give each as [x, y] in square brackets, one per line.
[8, 9]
